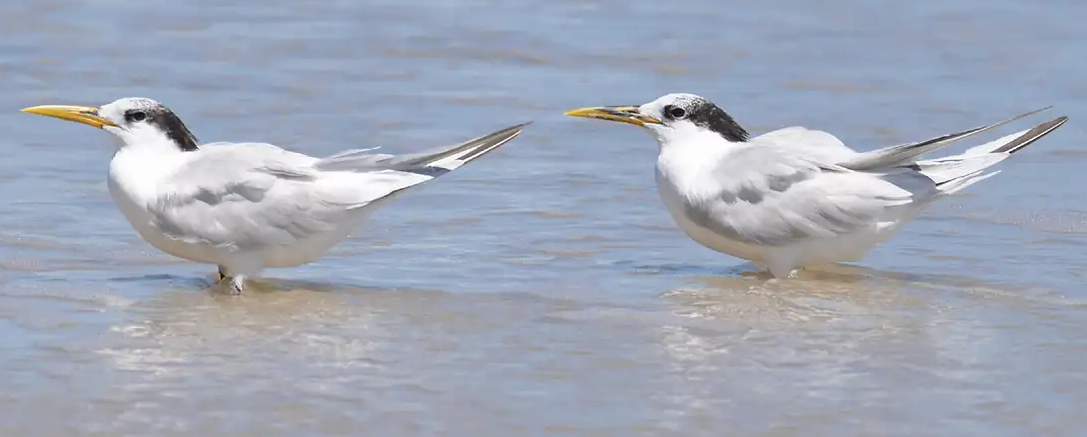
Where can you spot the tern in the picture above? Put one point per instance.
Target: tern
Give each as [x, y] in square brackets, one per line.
[794, 198]
[248, 206]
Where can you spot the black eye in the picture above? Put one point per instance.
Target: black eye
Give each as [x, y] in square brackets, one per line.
[135, 116]
[674, 112]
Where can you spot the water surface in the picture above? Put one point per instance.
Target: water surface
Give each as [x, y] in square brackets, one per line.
[543, 290]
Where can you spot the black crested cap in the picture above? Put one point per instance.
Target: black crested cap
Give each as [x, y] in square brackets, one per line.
[157, 114]
[705, 114]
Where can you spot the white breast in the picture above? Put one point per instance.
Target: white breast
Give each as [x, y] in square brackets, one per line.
[132, 187]
[681, 170]
[673, 199]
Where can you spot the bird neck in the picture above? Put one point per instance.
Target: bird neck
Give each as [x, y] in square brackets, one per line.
[139, 168]
[689, 156]
[687, 139]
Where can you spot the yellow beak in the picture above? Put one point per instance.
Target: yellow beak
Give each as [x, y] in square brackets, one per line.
[625, 114]
[78, 114]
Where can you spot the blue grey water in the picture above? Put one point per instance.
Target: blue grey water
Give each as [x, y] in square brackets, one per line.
[543, 290]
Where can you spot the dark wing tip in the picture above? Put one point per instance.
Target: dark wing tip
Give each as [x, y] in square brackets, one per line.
[1030, 136]
[494, 140]
[512, 130]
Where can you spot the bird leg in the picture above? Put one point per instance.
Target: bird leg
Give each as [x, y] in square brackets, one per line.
[221, 274]
[782, 268]
[237, 283]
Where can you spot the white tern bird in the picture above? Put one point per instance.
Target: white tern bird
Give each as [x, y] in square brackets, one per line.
[794, 197]
[248, 206]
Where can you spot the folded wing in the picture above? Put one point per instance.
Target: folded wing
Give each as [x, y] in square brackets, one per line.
[768, 196]
[253, 195]
[244, 196]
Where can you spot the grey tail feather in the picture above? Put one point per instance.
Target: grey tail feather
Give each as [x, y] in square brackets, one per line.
[430, 163]
[897, 154]
[1032, 135]
[433, 163]
[1019, 143]
[468, 150]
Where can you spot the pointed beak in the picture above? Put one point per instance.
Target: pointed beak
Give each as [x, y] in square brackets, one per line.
[625, 114]
[78, 114]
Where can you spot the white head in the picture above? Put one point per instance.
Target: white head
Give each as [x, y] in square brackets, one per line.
[136, 121]
[672, 117]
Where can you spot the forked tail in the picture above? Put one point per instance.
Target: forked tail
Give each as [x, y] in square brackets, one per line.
[953, 173]
[434, 163]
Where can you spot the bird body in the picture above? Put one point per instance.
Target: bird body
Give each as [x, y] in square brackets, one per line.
[250, 206]
[795, 197]
[190, 205]
[777, 237]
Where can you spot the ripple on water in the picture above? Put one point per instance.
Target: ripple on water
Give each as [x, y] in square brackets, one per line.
[543, 290]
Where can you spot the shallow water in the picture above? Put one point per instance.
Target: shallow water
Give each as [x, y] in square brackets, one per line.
[543, 290]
